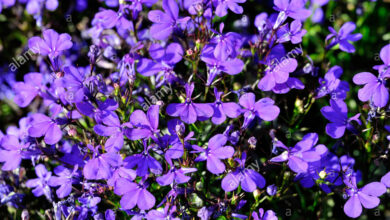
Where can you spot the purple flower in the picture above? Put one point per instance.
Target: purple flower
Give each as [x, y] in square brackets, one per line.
[268, 215]
[277, 73]
[134, 194]
[104, 109]
[337, 114]
[227, 45]
[223, 109]
[40, 184]
[73, 81]
[343, 37]
[6, 4]
[64, 179]
[303, 152]
[12, 152]
[374, 89]
[52, 43]
[293, 34]
[386, 179]
[331, 84]
[291, 83]
[165, 23]
[42, 125]
[113, 129]
[163, 214]
[290, 8]
[163, 63]
[223, 5]
[145, 126]
[26, 91]
[136, 5]
[248, 178]
[175, 175]
[144, 162]
[99, 167]
[189, 111]
[366, 196]
[272, 190]
[385, 57]
[35, 6]
[214, 152]
[264, 109]
[177, 141]
[231, 66]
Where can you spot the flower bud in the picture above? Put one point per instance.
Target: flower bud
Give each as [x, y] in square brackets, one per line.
[252, 142]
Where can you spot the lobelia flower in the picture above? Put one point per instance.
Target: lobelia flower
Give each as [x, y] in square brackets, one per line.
[337, 114]
[264, 109]
[248, 178]
[223, 109]
[227, 45]
[121, 172]
[366, 196]
[343, 37]
[109, 214]
[293, 34]
[325, 172]
[88, 206]
[144, 162]
[6, 4]
[290, 8]
[163, 63]
[223, 5]
[175, 175]
[189, 111]
[42, 125]
[134, 194]
[136, 5]
[64, 179]
[374, 89]
[231, 66]
[385, 57]
[99, 167]
[317, 12]
[291, 83]
[386, 179]
[26, 91]
[268, 215]
[112, 128]
[214, 153]
[331, 84]
[73, 81]
[12, 152]
[303, 152]
[35, 6]
[145, 126]
[162, 214]
[104, 109]
[177, 140]
[165, 23]
[272, 190]
[52, 44]
[40, 184]
[277, 74]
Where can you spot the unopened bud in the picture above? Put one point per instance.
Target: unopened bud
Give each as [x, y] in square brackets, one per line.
[252, 142]
[189, 52]
[72, 132]
[180, 129]
[256, 193]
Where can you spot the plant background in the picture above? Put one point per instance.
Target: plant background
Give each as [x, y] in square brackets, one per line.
[372, 19]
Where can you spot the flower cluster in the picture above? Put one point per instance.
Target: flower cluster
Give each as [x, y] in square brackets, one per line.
[212, 146]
